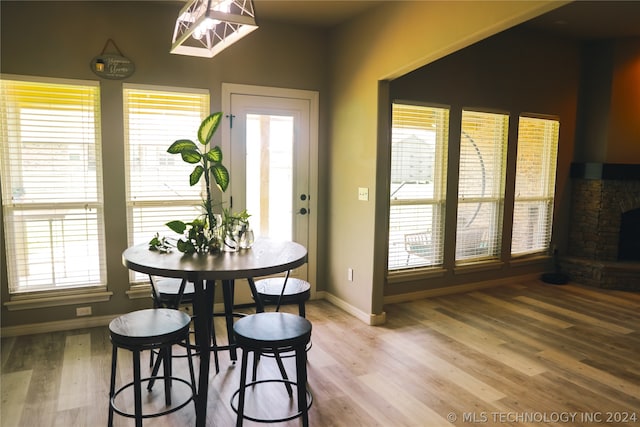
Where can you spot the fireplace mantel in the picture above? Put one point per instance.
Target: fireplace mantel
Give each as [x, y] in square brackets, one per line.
[606, 171]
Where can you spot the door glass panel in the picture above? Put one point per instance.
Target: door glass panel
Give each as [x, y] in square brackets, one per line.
[269, 176]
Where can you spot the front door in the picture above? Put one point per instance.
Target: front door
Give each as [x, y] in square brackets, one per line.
[272, 137]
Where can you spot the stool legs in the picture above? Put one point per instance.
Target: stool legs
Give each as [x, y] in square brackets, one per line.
[167, 375]
[301, 309]
[164, 355]
[301, 372]
[137, 388]
[112, 387]
[243, 386]
[301, 382]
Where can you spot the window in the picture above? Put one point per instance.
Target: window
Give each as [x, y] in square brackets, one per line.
[52, 185]
[535, 185]
[418, 181]
[158, 187]
[483, 148]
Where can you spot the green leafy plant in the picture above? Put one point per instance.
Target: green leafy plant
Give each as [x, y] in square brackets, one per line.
[199, 234]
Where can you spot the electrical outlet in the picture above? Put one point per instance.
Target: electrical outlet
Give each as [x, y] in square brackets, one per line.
[350, 274]
[83, 311]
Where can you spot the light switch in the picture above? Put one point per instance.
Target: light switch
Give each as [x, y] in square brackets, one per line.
[363, 193]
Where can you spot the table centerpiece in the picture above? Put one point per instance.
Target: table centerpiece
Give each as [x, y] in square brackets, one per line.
[210, 232]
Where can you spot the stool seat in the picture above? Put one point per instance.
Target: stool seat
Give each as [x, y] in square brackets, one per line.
[169, 291]
[272, 287]
[272, 330]
[149, 327]
[296, 291]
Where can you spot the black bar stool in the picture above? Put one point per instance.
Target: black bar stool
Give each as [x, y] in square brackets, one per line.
[168, 292]
[157, 328]
[273, 332]
[284, 290]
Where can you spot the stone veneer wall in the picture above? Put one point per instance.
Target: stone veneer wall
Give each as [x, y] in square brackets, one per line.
[596, 209]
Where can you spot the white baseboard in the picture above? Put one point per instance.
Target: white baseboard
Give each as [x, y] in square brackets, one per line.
[60, 325]
[457, 289]
[369, 319]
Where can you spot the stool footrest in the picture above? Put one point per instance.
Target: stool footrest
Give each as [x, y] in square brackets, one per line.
[155, 414]
[271, 420]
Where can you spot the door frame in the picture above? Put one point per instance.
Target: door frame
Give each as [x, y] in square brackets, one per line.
[229, 89]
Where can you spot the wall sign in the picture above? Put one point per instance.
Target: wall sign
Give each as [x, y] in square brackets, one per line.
[111, 65]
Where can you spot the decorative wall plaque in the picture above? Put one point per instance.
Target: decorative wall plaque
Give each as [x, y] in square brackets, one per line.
[112, 65]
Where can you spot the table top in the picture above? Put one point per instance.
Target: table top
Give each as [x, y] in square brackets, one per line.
[266, 256]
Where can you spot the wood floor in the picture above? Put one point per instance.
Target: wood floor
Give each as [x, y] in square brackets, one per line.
[528, 354]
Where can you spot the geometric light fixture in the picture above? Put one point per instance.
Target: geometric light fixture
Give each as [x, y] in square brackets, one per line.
[206, 27]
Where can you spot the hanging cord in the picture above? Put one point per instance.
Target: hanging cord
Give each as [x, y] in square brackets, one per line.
[110, 41]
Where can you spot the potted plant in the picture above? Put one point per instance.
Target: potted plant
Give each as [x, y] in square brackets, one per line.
[206, 233]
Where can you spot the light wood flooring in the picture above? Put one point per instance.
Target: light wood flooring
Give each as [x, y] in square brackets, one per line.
[528, 354]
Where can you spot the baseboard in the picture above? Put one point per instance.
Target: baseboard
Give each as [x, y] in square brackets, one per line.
[369, 319]
[457, 289]
[60, 325]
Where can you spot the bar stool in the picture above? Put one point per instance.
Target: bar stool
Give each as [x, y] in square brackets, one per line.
[273, 332]
[168, 292]
[157, 328]
[284, 290]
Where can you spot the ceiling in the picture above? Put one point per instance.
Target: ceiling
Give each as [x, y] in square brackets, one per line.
[580, 19]
[590, 20]
[317, 13]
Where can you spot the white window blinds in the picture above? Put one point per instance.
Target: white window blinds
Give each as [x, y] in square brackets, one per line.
[52, 184]
[158, 187]
[418, 181]
[535, 185]
[483, 148]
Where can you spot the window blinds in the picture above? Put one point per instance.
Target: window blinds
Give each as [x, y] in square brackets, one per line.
[483, 148]
[52, 184]
[158, 187]
[535, 184]
[418, 180]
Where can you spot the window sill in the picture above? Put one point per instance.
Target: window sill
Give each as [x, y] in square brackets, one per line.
[415, 274]
[54, 299]
[478, 266]
[139, 291]
[530, 259]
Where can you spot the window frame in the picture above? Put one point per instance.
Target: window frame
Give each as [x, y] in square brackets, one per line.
[430, 237]
[49, 97]
[490, 238]
[139, 232]
[547, 177]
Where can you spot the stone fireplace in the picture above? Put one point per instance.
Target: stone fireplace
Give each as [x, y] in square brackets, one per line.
[604, 240]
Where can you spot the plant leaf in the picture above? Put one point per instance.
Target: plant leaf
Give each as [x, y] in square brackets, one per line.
[220, 175]
[177, 226]
[186, 247]
[208, 128]
[214, 155]
[195, 175]
[180, 145]
[191, 156]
